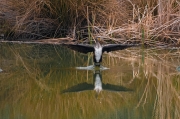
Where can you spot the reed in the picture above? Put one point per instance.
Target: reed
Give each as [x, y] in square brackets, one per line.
[119, 21]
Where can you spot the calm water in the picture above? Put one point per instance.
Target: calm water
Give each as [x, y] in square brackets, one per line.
[42, 82]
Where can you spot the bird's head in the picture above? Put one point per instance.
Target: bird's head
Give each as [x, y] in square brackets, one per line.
[98, 42]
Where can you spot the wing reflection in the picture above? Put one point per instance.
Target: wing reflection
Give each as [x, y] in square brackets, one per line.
[79, 87]
[98, 85]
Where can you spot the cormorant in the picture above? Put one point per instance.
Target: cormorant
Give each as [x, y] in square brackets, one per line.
[98, 49]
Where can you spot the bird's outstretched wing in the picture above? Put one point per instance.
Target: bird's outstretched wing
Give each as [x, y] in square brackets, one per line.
[80, 47]
[78, 88]
[114, 47]
[110, 87]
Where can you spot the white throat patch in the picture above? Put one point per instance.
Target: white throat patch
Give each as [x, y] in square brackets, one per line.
[98, 53]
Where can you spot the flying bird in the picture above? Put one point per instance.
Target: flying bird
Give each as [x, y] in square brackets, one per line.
[98, 49]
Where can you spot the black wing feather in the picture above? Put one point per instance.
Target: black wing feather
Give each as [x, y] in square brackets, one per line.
[114, 47]
[79, 87]
[80, 47]
[110, 87]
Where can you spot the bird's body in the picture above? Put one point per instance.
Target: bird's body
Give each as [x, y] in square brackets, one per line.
[98, 54]
[97, 49]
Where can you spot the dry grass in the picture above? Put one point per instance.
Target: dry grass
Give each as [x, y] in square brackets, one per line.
[153, 23]
[45, 18]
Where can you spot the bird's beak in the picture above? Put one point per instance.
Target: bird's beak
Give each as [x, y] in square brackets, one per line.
[98, 39]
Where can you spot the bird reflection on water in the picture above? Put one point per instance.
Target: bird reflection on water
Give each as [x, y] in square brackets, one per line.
[97, 85]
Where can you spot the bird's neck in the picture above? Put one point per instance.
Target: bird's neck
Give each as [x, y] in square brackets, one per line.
[98, 45]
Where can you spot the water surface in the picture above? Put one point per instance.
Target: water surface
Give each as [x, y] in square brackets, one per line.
[42, 82]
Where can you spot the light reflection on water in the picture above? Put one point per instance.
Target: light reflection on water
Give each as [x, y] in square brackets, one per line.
[92, 67]
[42, 81]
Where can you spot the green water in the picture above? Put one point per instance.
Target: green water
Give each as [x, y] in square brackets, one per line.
[42, 82]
